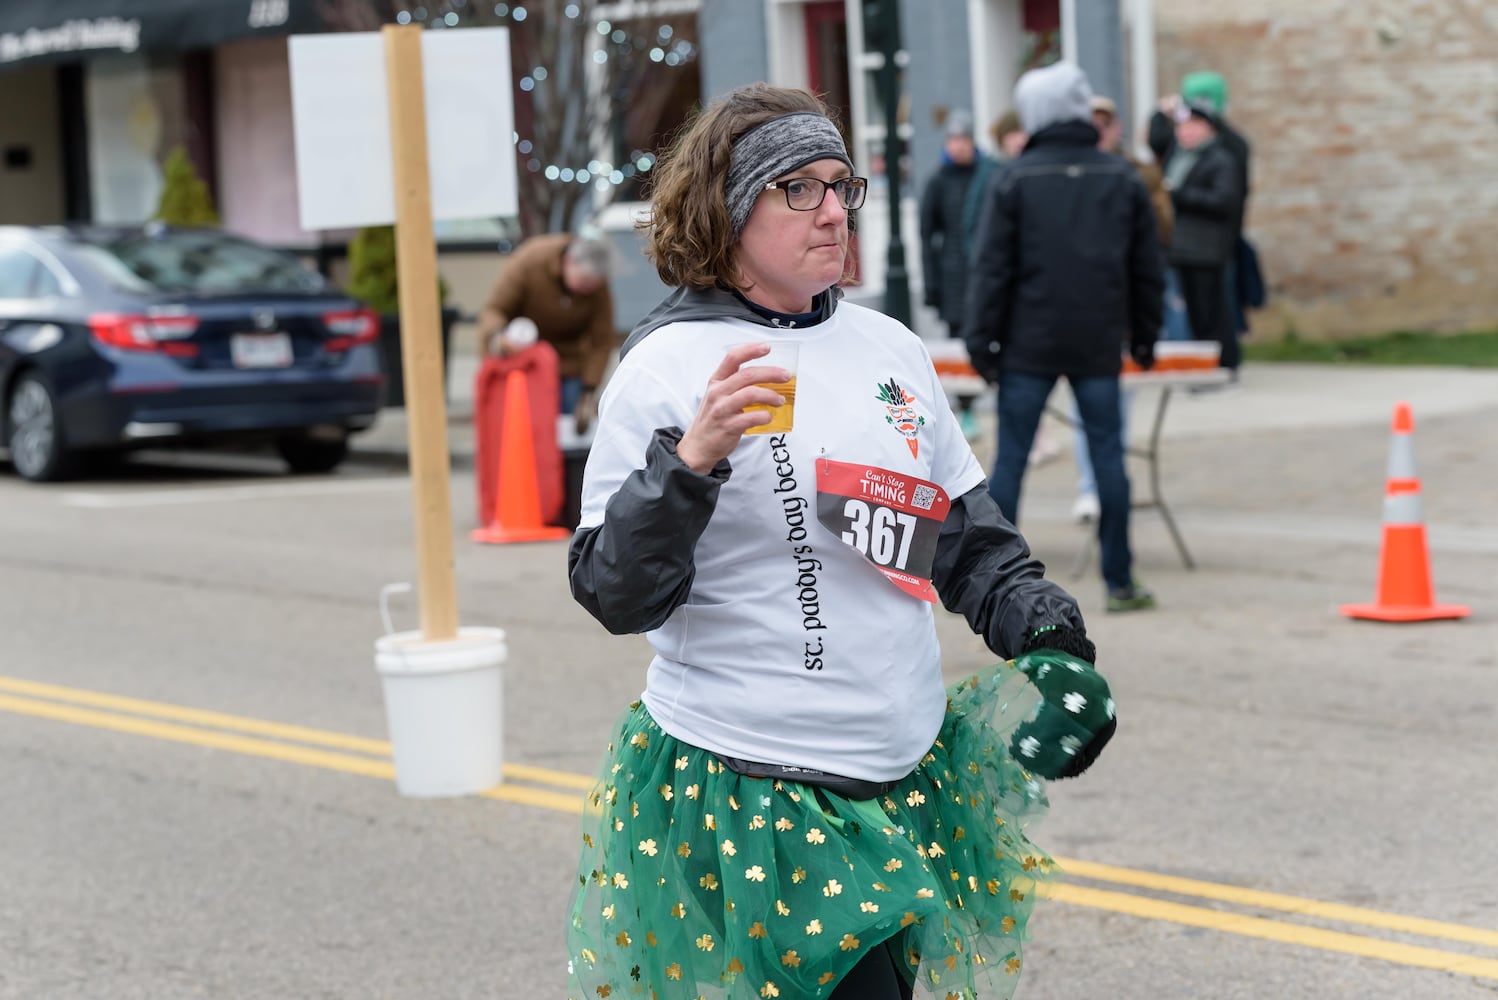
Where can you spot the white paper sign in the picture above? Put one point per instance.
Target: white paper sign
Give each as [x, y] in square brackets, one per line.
[341, 119]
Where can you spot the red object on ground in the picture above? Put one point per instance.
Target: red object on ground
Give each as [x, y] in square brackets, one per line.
[516, 403]
[1405, 590]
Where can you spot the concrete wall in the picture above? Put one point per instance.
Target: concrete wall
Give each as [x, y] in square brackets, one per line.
[1375, 132]
[31, 194]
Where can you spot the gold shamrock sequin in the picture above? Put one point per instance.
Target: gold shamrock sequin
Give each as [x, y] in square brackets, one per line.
[925, 893]
[679, 911]
[618, 825]
[733, 803]
[815, 927]
[782, 909]
[848, 943]
[755, 874]
[650, 938]
[907, 919]
[620, 881]
[893, 865]
[728, 849]
[782, 824]
[1016, 895]
[692, 791]
[666, 792]
[769, 990]
[682, 763]
[790, 959]
[684, 849]
[608, 912]
[708, 881]
[832, 888]
[735, 967]
[757, 930]
[825, 978]
[705, 942]
[936, 850]
[1011, 966]
[915, 798]
[647, 847]
[708, 822]
[639, 741]
[799, 875]
[757, 823]
[622, 939]
[1029, 864]
[869, 907]
[815, 836]
[673, 971]
[605, 990]
[588, 839]
[1007, 924]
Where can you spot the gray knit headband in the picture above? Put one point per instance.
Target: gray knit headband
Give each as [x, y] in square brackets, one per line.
[772, 150]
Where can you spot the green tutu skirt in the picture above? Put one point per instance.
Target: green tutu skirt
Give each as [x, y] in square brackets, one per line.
[699, 882]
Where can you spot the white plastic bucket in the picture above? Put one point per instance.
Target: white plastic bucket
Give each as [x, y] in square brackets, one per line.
[444, 705]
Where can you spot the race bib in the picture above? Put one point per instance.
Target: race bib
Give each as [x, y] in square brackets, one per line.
[892, 519]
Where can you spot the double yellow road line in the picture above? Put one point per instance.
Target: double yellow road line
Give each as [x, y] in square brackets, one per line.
[562, 791]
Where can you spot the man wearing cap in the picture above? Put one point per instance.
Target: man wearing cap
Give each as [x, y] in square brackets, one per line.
[560, 282]
[1066, 276]
[1204, 184]
[949, 212]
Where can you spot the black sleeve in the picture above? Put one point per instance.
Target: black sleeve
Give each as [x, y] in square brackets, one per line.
[635, 568]
[1213, 190]
[984, 571]
[1162, 137]
[1147, 291]
[991, 276]
[932, 238]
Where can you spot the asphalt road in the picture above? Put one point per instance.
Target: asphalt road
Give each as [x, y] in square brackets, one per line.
[1296, 805]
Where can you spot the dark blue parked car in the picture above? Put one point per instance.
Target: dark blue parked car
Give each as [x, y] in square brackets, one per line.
[114, 338]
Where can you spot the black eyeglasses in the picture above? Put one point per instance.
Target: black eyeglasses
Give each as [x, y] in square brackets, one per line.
[806, 194]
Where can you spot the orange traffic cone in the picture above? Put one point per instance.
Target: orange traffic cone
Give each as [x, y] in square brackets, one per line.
[1405, 593]
[517, 506]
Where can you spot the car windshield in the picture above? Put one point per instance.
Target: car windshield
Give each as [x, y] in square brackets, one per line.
[201, 263]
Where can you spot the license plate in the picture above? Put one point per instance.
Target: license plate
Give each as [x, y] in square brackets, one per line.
[260, 350]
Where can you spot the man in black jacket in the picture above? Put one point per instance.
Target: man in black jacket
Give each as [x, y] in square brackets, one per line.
[1066, 275]
[1206, 191]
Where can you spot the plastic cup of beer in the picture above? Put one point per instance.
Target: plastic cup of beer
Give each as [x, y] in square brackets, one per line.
[781, 417]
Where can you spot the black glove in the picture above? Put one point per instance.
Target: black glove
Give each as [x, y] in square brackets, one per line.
[1063, 639]
[986, 362]
[1143, 355]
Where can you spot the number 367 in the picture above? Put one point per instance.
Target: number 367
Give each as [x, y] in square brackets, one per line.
[882, 534]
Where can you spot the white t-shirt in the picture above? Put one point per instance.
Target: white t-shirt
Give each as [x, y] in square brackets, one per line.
[793, 647]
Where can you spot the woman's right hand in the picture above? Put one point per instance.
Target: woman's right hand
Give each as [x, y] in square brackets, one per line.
[721, 421]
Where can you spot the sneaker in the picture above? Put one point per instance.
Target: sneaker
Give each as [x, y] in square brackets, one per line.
[1131, 598]
[969, 423]
[1086, 509]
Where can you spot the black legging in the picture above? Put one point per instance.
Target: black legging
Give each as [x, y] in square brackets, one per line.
[875, 977]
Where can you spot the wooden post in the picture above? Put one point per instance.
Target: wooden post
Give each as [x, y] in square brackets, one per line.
[421, 342]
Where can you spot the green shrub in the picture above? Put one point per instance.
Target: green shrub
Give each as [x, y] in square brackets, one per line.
[372, 270]
[184, 197]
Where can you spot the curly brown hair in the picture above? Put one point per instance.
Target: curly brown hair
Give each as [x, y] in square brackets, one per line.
[688, 233]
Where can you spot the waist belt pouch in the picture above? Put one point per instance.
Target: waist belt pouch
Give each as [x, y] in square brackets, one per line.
[848, 788]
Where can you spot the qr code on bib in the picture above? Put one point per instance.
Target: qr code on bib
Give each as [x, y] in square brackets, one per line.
[923, 497]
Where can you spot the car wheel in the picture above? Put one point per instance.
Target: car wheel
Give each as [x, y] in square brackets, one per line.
[306, 454]
[37, 448]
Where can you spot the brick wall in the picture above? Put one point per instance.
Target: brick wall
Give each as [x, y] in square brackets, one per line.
[1374, 126]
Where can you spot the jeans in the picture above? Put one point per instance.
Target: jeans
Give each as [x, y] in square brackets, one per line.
[1022, 397]
[572, 388]
[1176, 325]
[1086, 481]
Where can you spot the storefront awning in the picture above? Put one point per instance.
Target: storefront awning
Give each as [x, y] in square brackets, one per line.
[37, 31]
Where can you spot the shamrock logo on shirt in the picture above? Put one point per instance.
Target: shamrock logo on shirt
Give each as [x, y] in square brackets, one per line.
[900, 413]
